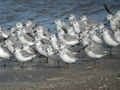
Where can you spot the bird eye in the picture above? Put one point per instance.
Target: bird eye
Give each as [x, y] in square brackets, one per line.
[97, 30]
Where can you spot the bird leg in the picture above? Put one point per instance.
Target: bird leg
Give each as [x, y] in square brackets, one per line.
[67, 66]
[4, 65]
[22, 65]
[110, 52]
[58, 63]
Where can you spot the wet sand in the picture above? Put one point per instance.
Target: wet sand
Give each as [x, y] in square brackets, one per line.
[103, 74]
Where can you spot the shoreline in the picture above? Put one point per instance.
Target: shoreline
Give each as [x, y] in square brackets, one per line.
[102, 75]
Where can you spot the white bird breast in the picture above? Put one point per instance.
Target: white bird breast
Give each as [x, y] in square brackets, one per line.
[66, 58]
[21, 58]
[96, 38]
[109, 39]
[92, 54]
[4, 54]
[40, 49]
[117, 36]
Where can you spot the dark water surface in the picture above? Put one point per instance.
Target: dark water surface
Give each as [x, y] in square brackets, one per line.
[46, 11]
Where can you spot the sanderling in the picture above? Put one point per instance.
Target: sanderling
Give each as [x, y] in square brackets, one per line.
[24, 38]
[113, 19]
[22, 55]
[92, 49]
[10, 43]
[117, 35]
[29, 27]
[66, 55]
[4, 33]
[65, 37]
[95, 50]
[87, 22]
[95, 35]
[75, 23]
[4, 52]
[54, 41]
[108, 36]
[67, 28]
[44, 48]
[42, 32]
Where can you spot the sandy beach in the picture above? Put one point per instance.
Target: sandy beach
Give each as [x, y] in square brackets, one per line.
[103, 74]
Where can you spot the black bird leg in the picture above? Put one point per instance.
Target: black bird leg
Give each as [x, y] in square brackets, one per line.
[67, 66]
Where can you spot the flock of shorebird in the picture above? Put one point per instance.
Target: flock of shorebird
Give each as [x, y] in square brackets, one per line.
[25, 41]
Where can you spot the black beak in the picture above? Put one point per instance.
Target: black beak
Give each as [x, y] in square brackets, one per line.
[85, 47]
[29, 34]
[64, 30]
[66, 18]
[107, 9]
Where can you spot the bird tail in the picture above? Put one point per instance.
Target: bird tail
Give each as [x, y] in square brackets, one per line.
[107, 9]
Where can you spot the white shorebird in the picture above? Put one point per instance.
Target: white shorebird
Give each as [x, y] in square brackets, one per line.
[66, 55]
[29, 26]
[117, 35]
[92, 49]
[42, 32]
[18, 51]
[86, 22]
[23, 56]
[113, 19]
[108, 36]
[63, 50]
[4, 34]
[18, 26]
[44, 48]
[76, 24]
[42, 42]
[24, 38]
[65, 27]
[10, 44]
[95, 50]
[65, 37]
[95, 35]
[87, 25]
[114, 23]
[68, 40]
[13, 31]
[54, 41]
[4, 52]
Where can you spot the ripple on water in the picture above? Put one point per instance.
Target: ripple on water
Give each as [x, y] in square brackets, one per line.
[46, 11]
